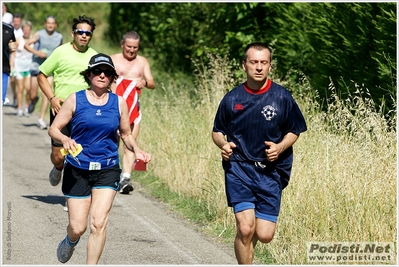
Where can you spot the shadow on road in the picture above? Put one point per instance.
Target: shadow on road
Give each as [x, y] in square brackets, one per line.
[49, 199]
[24, 124]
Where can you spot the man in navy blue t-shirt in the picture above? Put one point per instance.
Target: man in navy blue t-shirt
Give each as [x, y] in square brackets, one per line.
[255, 126]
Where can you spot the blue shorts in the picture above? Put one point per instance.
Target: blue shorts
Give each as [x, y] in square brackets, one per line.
[34, 69]
[78, 183]
[253, 186]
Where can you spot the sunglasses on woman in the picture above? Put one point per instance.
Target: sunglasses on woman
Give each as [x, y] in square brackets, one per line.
[107, 72]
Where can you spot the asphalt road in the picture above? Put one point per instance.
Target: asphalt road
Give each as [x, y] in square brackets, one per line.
[140, 230]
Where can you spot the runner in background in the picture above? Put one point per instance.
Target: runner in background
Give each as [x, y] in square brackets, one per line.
[17, 24]
[9, 48]
[67, 61]
[134, 75]
[22, 63]
[45, 41]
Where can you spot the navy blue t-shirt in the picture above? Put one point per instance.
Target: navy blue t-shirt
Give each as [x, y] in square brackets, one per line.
[249, 118]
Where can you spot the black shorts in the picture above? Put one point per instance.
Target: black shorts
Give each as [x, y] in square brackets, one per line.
[78, 183]
[66, 130]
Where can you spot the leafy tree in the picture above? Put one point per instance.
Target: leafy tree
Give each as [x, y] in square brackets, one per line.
[346, 38]
[37, 12]
[350, 43]
[172, 33]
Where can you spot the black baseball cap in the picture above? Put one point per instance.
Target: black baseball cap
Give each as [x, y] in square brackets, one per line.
[100, 59]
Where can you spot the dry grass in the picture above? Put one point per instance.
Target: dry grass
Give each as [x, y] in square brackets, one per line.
[343, 185]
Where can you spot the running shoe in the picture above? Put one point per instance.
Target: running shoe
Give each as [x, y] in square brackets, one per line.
[125, 186]
[41, 124]
[65, 250]
[66, 206]
[20, 112]
[6, 101]
[32, 104]
[55, 176]
[26, 112]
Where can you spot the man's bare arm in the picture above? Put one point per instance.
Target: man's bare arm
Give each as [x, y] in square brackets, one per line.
[33, 40]
[226, 147]
[274, 150]
[149, 80]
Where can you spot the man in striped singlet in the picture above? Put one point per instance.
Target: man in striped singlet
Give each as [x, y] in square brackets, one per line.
[134, 75]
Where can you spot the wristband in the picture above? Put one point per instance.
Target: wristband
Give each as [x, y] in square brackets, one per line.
[146, 83]
[51, 98]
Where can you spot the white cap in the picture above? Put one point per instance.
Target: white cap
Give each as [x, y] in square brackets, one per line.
[7, 18]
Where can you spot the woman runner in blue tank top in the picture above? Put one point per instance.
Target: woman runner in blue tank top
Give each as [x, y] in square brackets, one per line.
[92, 176]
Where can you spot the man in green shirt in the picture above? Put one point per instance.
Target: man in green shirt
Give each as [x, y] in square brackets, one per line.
[65, 64]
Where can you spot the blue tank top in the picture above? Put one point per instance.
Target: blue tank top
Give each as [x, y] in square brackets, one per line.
[95, 128]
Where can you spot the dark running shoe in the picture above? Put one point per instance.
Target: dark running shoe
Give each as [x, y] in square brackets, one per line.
[55, 176]
[65, 251]
[126, 186]
[32, 104]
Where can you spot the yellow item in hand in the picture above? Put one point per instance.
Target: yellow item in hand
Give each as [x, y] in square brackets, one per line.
[74, 154]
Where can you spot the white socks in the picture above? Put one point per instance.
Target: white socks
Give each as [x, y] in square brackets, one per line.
[125, 175]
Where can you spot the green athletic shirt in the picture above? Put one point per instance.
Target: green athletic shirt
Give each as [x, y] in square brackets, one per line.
[65, 63]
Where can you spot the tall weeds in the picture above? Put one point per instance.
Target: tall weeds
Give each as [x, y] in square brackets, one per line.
[343, 184]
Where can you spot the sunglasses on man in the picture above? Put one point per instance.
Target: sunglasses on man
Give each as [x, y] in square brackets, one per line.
[81, 32]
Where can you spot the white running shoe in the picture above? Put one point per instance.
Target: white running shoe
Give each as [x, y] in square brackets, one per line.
[55, 176]
[41, 124]
[26, 113]
[20, 112]
[6, 101]
[66, 206]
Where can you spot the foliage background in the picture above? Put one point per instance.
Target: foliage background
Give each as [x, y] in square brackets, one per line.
[346, 43]
[343, 186]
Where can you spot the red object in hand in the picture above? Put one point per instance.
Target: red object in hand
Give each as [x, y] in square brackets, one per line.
[139, 165]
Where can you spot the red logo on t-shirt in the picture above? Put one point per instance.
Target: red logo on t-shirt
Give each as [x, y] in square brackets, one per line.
[238, 107]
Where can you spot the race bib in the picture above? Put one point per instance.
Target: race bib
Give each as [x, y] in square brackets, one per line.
[95, 166]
